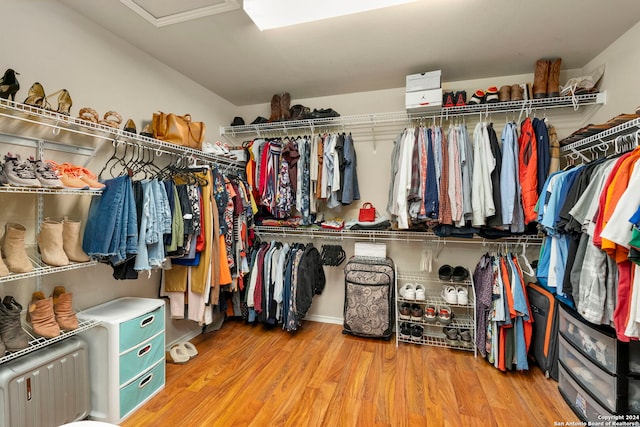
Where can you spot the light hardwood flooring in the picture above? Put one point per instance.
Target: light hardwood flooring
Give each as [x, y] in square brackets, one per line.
[246, 375]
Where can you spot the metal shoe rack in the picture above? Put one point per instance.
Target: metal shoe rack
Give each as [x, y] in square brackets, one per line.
[464, 315]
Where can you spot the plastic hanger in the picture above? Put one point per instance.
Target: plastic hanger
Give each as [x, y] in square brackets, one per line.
[523, 256]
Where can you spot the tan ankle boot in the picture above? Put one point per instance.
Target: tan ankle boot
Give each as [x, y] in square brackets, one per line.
[63, 309]
[41, 316]
[13, 249]
[50, 244]
[540, 79]
[517, 93]
[4, 271]
[71, 242]
[553, 84]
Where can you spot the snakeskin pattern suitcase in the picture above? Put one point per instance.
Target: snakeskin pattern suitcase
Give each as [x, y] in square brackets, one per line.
[369, 297]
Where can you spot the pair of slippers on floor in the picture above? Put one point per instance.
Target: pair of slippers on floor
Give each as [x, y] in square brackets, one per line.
[183, 352]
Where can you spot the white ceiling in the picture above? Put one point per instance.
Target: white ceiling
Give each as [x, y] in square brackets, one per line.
[467, 39]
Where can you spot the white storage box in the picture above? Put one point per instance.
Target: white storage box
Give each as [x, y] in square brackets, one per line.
[423, 81]
[372, 250]
[424, 99]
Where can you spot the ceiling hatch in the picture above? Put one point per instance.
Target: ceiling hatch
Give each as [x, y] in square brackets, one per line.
[162, 13]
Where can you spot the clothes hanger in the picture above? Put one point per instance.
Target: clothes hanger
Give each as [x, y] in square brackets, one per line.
[529, 270]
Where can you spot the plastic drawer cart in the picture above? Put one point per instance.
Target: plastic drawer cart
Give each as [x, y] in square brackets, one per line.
[47, 387]
[127, 357]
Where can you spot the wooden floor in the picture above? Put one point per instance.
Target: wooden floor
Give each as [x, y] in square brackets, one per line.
[247, 376]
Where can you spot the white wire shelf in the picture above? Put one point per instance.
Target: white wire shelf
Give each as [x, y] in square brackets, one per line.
[38, 342]
[424, 276]
[386, 235]
[42, 269]
[460, 321]
[43, 190]
[437, 341]
[433, 297]
[63, 126]
[602, 140]
[403, 116]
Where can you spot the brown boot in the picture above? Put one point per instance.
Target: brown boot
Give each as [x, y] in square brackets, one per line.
[540, 79]
[4, 271]
[63, 309]
[285, 104]
[553, 84]
[41, 316]
[275, 108]
[517, 93]
[13, 336]
[71, 242]
[13, 249]
[505, 93]
[50, 244]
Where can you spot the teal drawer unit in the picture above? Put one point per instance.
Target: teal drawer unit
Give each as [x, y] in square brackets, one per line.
[126, 355]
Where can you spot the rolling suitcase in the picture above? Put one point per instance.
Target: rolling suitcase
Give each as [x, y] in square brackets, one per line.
[369, 297]
[47, 387]
[544, 342]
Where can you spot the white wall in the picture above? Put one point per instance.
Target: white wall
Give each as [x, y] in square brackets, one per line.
[47, 42]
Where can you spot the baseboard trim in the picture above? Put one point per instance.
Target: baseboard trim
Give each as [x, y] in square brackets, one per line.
[324, 319]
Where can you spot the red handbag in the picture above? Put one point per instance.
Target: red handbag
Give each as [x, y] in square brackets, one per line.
[367, 213]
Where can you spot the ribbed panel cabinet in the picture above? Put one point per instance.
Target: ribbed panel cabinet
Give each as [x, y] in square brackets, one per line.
[126, 357]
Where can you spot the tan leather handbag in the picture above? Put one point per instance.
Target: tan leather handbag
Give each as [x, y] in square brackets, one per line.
[180, 130]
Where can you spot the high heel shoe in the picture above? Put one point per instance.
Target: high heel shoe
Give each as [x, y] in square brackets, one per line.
[64, 101]
[130, 127]
[9, 85]
[36, 97]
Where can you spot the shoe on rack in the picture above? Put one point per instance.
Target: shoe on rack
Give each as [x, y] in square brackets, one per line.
[50, 244]
[444, 315]
[504, 94]
[405, 311]
[492, 95]
[466, 339]
[445, 272]
[421, 293]
[478, 97]
[275, 109]
[408, 291]
[416, 313]
[63, 309]
[517, 92]
[285, 104]
[36, 97]
[72, 242]
[18, 173]
[4, 271]
[451, 335]
[461, 98]
[9, 85]
[13, 248]
[42, 317]
[111, 119]
[405, 330]
[46, 174]
[430, 313]
[540, 79]
[130, 127]
[416, 333]
[449, 294]
[11, 332]
[462, 294]
[553, 81]
[64, 102]
[447, 100]
[460, 274]
[260, 120]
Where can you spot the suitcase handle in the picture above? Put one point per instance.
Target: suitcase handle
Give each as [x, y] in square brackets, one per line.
[144, 350]
[145, 381]
[147, 321]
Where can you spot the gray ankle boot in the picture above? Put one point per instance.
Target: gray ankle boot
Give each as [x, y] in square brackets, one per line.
[11, 332]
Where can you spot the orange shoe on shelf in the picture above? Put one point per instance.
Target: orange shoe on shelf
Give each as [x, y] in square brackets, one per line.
[77, 176]
[72, 182]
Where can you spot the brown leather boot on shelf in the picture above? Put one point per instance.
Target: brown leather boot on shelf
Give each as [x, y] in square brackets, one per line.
[504, 94]
[275, 109]
[517, 93]
[14, 250]
[285, 104]
[4, 271]
[63, 309]
[50, 244]
[11, 332]
[553, 84]
[540, 79]
[42, 317]
[71, 241]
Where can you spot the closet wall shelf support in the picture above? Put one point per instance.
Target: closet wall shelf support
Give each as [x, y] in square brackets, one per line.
[388, 235]
[373, 120]
[14, 112]
[602, 140]
[37, 343]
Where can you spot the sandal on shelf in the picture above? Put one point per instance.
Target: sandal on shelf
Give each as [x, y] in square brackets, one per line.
[130, 127]
[111, 119]
[191, 349]
[178, 355]
[36, 97]
[89, 115]
[64, 102]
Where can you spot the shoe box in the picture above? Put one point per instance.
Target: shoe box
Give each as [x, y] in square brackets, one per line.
[423, 91]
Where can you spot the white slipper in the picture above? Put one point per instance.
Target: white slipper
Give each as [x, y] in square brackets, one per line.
[179, 355]
[189, 348]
